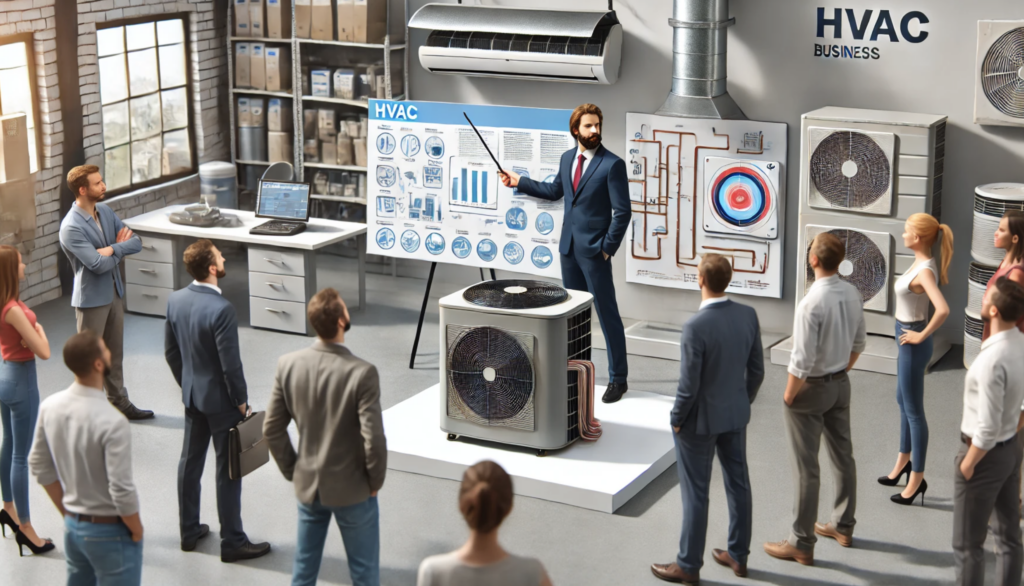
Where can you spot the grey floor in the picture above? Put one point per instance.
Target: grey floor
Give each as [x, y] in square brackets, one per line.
[893, 545]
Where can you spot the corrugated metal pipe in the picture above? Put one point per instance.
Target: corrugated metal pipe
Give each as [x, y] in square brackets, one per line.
[699, 58]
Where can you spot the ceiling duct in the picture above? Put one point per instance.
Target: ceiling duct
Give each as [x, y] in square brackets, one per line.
[699, 54]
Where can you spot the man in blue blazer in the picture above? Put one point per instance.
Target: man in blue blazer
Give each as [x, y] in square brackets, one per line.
[722, 368]
[593, 182]
[95, 240]
[201, 347]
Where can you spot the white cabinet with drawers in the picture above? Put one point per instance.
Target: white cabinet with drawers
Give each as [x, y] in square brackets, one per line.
[150, 276]
[280, 282]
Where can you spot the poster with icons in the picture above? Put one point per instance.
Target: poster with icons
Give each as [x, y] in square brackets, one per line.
[435, 194]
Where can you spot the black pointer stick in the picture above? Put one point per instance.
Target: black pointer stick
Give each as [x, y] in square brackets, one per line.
[493, 158]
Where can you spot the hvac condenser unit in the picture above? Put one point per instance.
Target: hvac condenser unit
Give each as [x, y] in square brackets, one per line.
[991, 202]
[978, 276]
[973, 328]
[999, 76]
[547, 45]
[504, 370]
[866, 266]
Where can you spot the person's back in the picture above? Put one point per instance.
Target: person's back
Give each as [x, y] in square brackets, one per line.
[449, 570]
[835, 310]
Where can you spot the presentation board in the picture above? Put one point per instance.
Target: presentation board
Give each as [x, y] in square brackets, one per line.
[434, 193]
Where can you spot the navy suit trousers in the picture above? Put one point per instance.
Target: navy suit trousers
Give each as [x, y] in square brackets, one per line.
[594, 274]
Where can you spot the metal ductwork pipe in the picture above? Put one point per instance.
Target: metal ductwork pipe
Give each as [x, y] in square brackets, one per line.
[699, 58]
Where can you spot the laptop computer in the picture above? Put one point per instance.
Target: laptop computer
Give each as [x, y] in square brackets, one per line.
[287, 203]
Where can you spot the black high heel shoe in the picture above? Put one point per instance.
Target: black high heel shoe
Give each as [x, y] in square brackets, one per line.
[886, 481]
[35, 549]
[899, 500]
[6, 521]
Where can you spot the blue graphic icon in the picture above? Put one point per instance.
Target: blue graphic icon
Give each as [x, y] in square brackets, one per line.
[434, 243]
[385, 238]
[434, 147]
[514, 253]
[385, 143]
[410, 241]
[433, 177]
[410, 145]
[461, 247]
[487, 250]
[516, 219]
[541, 257]
[386, 175]
[545, 223]
[386, 207]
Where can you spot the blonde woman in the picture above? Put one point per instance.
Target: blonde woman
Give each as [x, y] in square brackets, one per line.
[916, 291]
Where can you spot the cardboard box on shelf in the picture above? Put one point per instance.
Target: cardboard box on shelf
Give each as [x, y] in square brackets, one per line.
[326, 125]
[303, 18]
[328, 152]
[252, 143]
[345, 154]
[279, 19]
[242, 65]
[259, 115]
[364, 90]
[323, 20]
[279, 147]
[256, 22]
[359, 146]
[258, 66]
[346, 20]
[344, 83]
[352, 127]
[320, 83]
[279, 115]
[311, 150]
[279, 68]
[309, 121]
[242, 18]
[371, 18]
[244, 112]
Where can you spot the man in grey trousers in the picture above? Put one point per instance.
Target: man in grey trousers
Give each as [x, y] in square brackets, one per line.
[986, 478]
[828, 336]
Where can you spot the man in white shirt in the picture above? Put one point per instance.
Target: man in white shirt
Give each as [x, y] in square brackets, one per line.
[82, 455]
[987, 475]
[828, 337]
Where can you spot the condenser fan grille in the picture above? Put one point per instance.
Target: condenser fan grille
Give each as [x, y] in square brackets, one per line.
[991, 206]
[1002, 74]
[513, 294]
[865, 266]
[980, 273]
[850, 170]
[490, 376]
[973, 326]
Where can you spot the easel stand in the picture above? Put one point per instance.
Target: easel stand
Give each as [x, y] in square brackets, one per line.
[423, 310]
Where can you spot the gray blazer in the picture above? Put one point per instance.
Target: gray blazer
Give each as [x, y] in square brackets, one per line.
[334, 398]
[721, 370]
[81, 238]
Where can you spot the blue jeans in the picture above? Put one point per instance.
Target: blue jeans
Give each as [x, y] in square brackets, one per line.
[19, 407]
[101, 554]
[360, 531]
[913, 360]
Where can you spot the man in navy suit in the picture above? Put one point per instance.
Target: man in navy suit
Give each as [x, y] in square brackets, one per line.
[711, 413]
[201, 347]
[593, 182]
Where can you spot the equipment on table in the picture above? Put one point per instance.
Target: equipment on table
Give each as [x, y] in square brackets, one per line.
[287, 203]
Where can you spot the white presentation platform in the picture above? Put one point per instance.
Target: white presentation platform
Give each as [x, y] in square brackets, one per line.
[635, 448]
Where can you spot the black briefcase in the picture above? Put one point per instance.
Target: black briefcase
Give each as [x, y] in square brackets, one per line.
[247, 449]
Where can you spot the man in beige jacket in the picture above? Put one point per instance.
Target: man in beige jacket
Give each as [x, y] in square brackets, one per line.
[334, 398]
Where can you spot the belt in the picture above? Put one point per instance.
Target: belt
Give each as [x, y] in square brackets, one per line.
[103, 520]
[966, 439]
[827, 378]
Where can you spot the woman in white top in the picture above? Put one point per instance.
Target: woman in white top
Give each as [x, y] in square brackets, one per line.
[916, 290]
[485, 499]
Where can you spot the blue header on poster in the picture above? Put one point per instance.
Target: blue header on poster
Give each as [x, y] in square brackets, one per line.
[482, 116]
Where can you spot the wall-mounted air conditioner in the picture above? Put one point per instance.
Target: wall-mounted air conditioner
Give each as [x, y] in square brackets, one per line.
[999, 76]
[547, 45]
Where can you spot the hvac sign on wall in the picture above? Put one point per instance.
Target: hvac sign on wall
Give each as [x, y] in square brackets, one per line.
[848, 29]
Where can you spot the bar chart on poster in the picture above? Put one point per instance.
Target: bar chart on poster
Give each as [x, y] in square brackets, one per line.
[436, 195]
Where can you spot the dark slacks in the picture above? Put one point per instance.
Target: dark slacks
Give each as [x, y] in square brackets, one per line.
[694, 457]
[594, 275]
[200, 428]
[991, 495]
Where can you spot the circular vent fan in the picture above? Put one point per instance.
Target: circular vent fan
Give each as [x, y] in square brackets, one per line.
[864, 267]
[512, 294]
[1002, 74]
[491, 372]
[740, 196]
[850, 170]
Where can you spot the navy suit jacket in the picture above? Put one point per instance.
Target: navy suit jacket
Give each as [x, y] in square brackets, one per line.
[201, 347]
[721, 370]
[597, 216]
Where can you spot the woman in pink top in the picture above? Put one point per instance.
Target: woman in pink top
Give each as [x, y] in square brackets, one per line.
[1009, 237]
[21, 341]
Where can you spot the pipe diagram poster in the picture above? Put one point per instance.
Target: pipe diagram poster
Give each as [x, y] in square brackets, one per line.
[700, 186]
[435, 194]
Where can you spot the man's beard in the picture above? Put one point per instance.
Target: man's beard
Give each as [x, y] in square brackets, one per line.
[221, 273]
[106, 370]
[95, 198]
[590, 142]
[348, 326]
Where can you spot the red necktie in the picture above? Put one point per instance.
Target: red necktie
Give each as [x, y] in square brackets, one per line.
[578, 174]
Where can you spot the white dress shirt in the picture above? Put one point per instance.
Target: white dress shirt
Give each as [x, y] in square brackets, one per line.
[588, 155]
[86, 443]
[827, 328]
[712, 301]
[208, 286]
[994, 390]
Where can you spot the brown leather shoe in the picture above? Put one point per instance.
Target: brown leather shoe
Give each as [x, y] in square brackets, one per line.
[724, 559]
[784, 551]
[829, 530]
[673, 573]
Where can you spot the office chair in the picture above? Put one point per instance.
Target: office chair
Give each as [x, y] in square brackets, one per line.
[279, 172]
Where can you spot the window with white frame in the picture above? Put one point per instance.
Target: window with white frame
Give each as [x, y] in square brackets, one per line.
[17, 90]
[145, 97]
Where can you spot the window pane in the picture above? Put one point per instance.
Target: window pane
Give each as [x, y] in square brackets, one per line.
[13, 55]
[110, 41]
[142, 72]
[113, 79]
[145, 116]
[175, 107]
[170, 31]
[16, 93]
[172, 66]
[115, 124]
[33, 158]
[177, 153]
[140, 36]
[146, 159]
[116, 167]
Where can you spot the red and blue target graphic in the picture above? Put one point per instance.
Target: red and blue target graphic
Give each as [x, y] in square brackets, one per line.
[740, 196]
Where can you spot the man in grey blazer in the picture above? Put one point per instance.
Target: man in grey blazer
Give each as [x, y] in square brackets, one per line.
[722, 368]
[95, 240]
[201, 347]
[334, 398]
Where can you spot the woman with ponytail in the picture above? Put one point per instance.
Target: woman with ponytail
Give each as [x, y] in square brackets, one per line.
[1009, 236]
[915, 290]
[485, 499]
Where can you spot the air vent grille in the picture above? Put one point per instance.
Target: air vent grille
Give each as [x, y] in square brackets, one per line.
[940, 133]
[514, 294]
[973, 327]
[995, 207]
[482, 41]
[850, 170]
[579, 349]
[980, 273]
